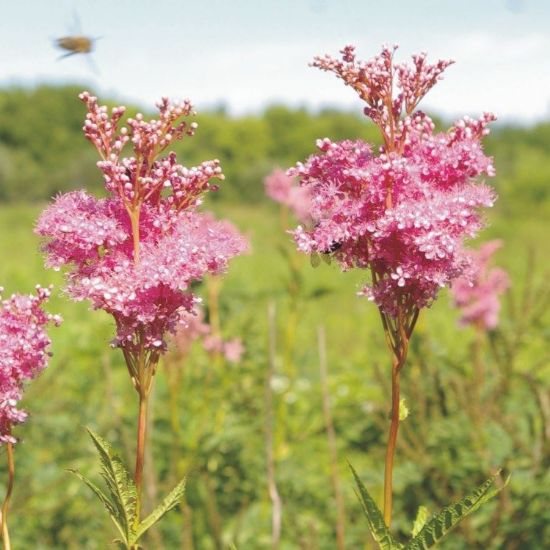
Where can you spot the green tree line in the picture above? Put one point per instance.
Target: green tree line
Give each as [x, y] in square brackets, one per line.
[43, 151]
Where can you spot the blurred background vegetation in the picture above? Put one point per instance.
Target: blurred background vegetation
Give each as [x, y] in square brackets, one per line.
[477, 401]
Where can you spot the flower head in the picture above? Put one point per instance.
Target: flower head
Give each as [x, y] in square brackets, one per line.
[477, 293]
[136, 252]
[193, 328]
[405, 212]
[25, 354]
[284, 189]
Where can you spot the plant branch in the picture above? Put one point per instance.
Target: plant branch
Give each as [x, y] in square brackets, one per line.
[5, 505]
[140, 448]
[404, 324]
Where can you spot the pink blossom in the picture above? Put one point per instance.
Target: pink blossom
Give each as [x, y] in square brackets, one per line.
[25, 354]
[284, 189]
[135, 253]
[190, 329]
[193, 328]
[233, 350]
[213, 343]
[403, 213]
[477, 293]
[278, 186]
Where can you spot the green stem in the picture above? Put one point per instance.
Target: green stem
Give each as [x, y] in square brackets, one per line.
[5, 505]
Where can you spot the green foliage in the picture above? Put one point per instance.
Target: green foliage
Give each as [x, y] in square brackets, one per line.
[122, 500]
[120, 485]
[442, 522]
[170, 501]
[421, 518]
[463, 420]
[470, 410]
[378, 528]
[43, 151]
[426, 533]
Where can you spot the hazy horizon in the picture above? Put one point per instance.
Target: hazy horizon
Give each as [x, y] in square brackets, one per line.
[247, 55]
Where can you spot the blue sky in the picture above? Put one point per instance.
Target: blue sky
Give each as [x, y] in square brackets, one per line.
[249, 53]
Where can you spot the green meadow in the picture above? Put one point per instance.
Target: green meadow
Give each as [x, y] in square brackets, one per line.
[475, 404]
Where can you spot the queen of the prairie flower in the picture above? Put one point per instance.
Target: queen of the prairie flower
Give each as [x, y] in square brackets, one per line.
[24, 343]
[477, 294]
[401, 213]
[284, 189]
[25, 352]
[135, 253]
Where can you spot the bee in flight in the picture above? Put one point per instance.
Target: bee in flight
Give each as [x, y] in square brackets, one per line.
[75, 44]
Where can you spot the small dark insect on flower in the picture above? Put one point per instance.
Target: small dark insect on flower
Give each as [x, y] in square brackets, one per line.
[333, 247]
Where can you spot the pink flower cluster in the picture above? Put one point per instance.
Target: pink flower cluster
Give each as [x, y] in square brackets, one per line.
[193, 328]
[135, 253]
[284, 189]
[24, 343]
[403, 213]
[477, 294]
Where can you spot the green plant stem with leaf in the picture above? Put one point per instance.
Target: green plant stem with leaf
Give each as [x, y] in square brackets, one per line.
[426, 532]
[121, 498]
[9, 490]
[142, 368]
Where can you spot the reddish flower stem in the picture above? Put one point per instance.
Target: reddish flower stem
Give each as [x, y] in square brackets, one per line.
[5, 505]
[392, 441]
[140, 450]
[398, 342]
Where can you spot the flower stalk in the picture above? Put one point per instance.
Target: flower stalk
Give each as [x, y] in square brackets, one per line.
[135, 254]
[25, 354]
[398, 333]
[140, 446]
[7, 498]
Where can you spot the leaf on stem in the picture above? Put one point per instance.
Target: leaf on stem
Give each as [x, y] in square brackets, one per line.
[120, 484]
[441, 523]
[103, 498]
[421, 518]
[172, 499]
[377, 526]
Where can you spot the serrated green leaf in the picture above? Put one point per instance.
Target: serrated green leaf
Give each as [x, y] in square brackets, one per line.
[172, 499]
[440, 524]
[121, 486]
[377, 526]
[420, 520]
[105, 501]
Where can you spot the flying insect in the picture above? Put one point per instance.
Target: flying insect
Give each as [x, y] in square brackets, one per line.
[75, 44]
